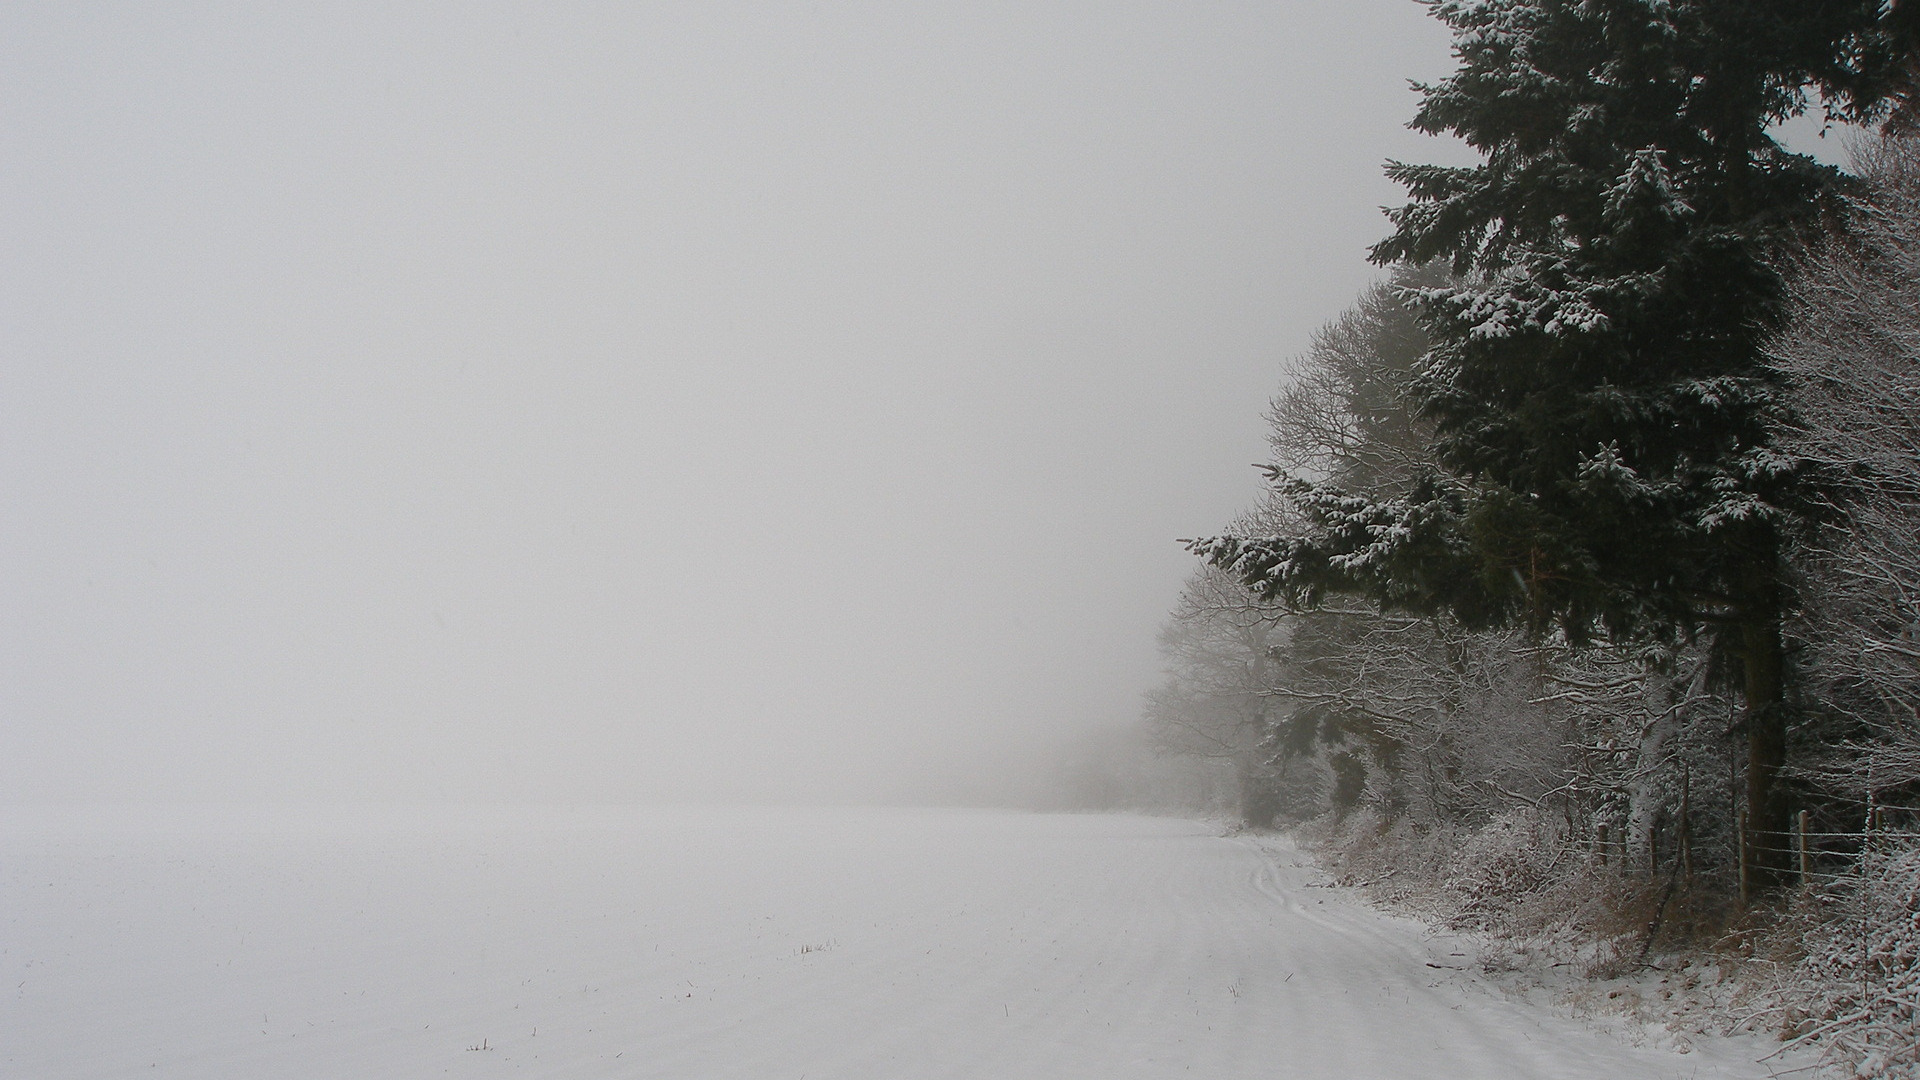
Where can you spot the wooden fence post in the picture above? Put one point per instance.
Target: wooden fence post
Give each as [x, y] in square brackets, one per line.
[1741, 828]
[1736, 799]
[1685, 839]
[1802, 821]
[1873, 821]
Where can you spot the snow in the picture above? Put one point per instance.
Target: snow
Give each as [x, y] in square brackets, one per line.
[754, 943]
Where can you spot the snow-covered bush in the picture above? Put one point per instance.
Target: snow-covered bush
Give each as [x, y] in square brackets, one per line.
[1511, 857]
[1856, 990]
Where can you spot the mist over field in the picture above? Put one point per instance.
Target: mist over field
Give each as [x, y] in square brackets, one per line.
[617, 402]
[715, 539]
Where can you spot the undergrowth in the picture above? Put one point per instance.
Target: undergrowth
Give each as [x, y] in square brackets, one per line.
[1834, 969]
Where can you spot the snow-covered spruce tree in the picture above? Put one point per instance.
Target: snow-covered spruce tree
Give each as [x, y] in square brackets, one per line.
[1606, 417]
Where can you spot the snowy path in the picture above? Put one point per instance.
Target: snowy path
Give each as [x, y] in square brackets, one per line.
[739, 944]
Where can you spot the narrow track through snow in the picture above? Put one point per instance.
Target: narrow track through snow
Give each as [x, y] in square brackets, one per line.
[689, 944]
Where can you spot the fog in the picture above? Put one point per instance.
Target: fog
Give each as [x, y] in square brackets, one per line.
[643, 402]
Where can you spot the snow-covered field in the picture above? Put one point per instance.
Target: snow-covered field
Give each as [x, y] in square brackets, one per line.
[733, 943]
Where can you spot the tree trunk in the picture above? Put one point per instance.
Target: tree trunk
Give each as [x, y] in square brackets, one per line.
[1763, 658]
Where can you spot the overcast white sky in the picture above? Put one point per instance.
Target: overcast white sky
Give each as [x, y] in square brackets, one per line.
[642, 400]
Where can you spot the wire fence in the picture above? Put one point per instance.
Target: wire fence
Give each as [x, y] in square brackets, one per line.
[1813, 856]
[1830, 855]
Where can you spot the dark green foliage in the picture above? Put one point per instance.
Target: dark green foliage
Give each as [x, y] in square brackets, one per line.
[1604, 416]
[1600, 375]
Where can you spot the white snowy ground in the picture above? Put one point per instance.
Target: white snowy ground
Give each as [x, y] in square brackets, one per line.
[747, 944]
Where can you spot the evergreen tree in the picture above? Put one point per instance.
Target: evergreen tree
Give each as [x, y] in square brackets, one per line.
[1605, 414]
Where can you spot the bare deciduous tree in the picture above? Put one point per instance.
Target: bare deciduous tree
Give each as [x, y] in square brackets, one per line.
[1854, 354]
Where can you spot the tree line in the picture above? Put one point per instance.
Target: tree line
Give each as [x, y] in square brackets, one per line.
[1603, 511]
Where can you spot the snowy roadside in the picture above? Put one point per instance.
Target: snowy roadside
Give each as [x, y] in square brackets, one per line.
[696, 943]
[1678, 1001]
